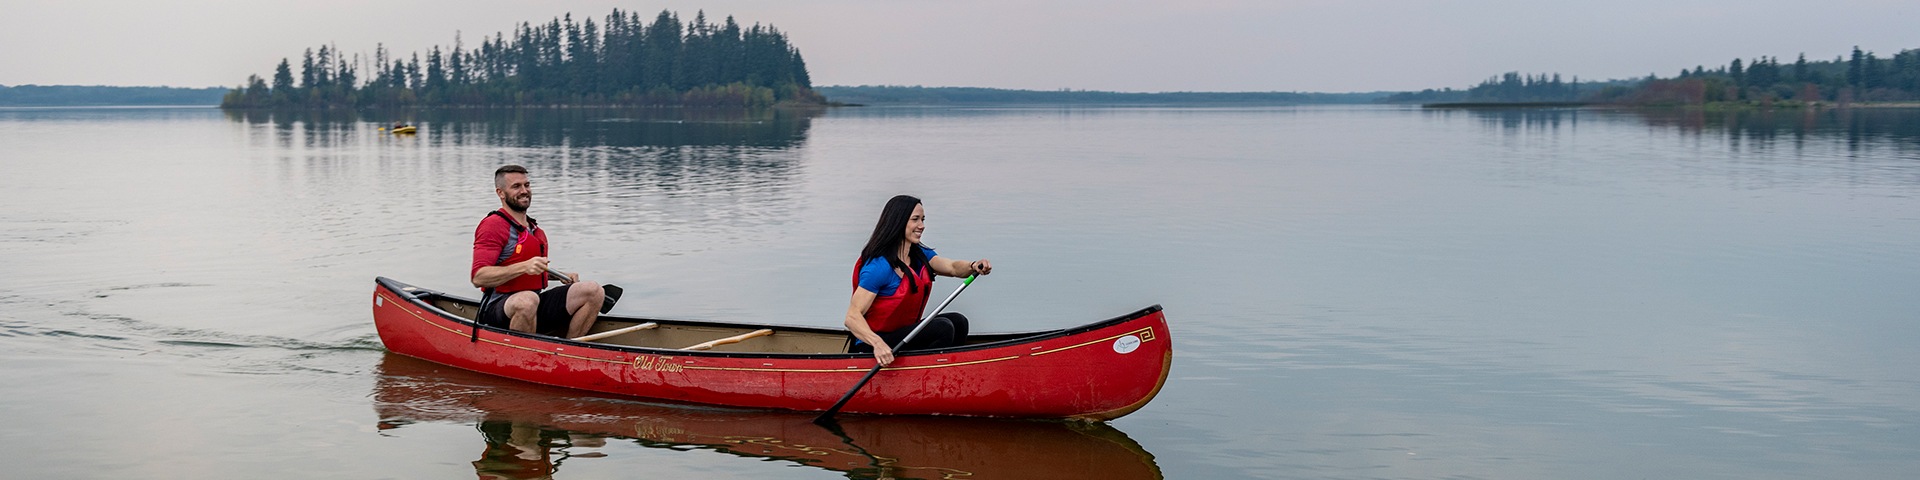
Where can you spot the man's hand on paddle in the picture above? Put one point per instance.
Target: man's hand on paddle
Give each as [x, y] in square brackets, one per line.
[533, 266]
[882, 354]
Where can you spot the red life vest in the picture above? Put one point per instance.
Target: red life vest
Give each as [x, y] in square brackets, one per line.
[902, 308]
[522, 245]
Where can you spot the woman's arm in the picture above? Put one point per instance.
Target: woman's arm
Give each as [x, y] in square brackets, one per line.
[959, 268]
[857, 324]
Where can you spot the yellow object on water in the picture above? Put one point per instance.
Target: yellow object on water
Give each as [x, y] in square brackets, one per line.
[406, 129]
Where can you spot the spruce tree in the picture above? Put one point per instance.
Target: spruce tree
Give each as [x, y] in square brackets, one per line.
[283, 78]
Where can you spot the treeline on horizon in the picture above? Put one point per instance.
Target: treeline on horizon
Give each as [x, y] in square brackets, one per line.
[1863, 76]
[1513, 87]
[96, 95]
[919, 95]
[621, 61]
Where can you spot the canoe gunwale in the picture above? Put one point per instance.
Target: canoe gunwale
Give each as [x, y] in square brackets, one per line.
[419, 296]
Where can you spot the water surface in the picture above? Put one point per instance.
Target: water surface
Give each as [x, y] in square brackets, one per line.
[1354, 292]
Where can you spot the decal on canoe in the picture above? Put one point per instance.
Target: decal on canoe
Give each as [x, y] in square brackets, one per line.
[652, 363]
[1126, 344]
[1145, 335]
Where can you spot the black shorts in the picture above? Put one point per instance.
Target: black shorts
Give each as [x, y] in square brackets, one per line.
[942, 331]
[551, 318]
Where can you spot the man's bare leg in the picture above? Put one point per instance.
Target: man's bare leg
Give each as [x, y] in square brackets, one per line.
[583, 303]
[522, 311]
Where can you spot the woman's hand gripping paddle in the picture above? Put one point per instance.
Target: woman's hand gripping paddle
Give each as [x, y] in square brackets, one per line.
[826, 418]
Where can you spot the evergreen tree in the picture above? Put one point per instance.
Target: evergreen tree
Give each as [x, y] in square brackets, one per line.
[436, 73]
[283, 78]
[306, 70]
[414, 81]
[1856, 68]
[1870, 76]
[346, 75]
[457, 63]
[322, 76]
[398, 75]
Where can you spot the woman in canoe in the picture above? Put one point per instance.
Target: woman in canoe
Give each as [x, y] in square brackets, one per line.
[891, 283]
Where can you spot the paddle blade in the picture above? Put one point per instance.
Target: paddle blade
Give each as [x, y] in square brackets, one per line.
[613, 295]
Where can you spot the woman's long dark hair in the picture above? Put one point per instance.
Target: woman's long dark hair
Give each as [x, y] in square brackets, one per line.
[887, 235]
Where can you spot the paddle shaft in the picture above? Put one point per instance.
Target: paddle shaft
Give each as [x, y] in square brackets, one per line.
[828, 415]
[612, 292]
[559, 275]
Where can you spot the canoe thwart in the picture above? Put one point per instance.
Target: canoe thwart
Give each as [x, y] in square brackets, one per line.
[609, 333]
[733, 339]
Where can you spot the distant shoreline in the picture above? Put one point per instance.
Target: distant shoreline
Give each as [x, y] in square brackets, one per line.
[883, 95]
[1469, 105]
[1704, 106]
[94, 96]
[105, 96]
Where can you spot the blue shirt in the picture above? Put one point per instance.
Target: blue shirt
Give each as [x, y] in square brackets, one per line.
[878, 277]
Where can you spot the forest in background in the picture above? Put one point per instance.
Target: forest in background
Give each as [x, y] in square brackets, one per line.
[620, 61]
[1861, 77]
[95, 95]
[543, 65]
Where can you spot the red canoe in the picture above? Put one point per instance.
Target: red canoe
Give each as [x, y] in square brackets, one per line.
[1098, 371]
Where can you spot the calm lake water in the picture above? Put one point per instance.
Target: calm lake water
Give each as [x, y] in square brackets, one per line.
[1354, 292]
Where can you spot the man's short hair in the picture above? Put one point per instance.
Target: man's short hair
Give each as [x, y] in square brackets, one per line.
[500, 175]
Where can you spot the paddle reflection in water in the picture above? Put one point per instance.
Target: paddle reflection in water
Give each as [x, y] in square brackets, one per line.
[530, 431]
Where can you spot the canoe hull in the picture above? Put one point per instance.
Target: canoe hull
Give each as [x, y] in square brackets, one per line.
[1099, 371]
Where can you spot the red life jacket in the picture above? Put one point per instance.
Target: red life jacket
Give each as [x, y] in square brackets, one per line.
[902, 308]
[522, 245]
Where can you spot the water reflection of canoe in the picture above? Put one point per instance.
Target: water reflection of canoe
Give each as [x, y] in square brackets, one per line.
[1097, 371]
[526, 426]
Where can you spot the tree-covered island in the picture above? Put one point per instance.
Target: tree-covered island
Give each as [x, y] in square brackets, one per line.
[620, 61]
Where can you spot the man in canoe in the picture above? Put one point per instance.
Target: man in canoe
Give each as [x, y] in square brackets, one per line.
[891, 283]
[510, 268]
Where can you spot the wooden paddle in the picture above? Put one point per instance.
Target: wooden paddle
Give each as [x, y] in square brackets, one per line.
[826, 418]
[612, 291]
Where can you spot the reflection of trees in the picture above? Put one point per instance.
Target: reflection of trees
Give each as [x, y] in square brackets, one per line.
[576, 127]
[530, 430]
[1857, 145]
[1513, 120]
[552, 127]
[1858, 127]
[688, 168]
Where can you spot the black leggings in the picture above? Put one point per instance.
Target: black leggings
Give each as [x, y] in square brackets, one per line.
[943, 330]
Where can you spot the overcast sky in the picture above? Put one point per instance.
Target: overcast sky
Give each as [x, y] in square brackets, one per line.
[1121, 45]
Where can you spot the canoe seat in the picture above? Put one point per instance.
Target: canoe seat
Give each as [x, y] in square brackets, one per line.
[733, 339]
[614, 332]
